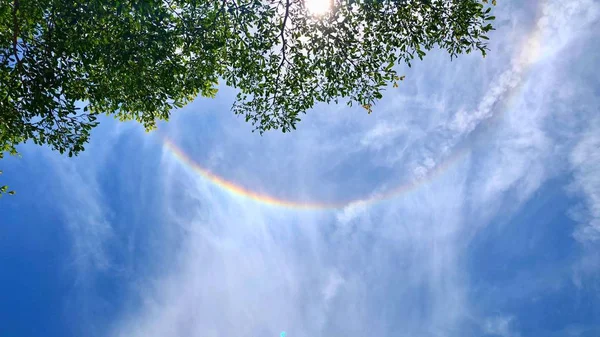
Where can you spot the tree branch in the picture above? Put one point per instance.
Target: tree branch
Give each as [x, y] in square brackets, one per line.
[16, 32]
[283, 47]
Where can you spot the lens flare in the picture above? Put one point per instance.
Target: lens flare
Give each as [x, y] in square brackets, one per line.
[318, 7]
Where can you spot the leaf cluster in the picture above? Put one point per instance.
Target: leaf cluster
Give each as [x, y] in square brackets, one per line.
[62, 63]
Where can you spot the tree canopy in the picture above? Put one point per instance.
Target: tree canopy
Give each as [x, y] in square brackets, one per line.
[62, 63]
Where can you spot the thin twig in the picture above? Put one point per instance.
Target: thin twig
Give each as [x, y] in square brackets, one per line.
[16, 30]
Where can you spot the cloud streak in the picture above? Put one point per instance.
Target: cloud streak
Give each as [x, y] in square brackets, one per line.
[237, 267]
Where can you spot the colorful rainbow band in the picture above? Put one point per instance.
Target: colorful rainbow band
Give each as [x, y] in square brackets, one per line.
[528, 54]
[240, 191]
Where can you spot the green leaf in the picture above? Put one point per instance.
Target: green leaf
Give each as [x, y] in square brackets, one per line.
[136, 61]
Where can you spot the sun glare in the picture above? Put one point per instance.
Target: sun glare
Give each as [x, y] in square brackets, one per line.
[318, 7]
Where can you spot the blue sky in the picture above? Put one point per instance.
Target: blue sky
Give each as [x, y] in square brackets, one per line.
[502, 241]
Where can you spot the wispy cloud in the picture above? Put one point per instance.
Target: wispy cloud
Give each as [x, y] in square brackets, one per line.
[86, 218]
[234, 267]
[585, 160]
[499, 326]
[85, 196]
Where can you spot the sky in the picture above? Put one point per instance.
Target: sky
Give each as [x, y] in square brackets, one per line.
[466, 204]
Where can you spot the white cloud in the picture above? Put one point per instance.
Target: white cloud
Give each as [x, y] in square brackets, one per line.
[83, 203]
[383, 134]
[238, 267]
[351, 211]
[86, 219]
[332, 286]
[499, 326]
[585, 160]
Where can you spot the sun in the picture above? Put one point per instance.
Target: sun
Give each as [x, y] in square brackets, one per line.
[318, 7]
